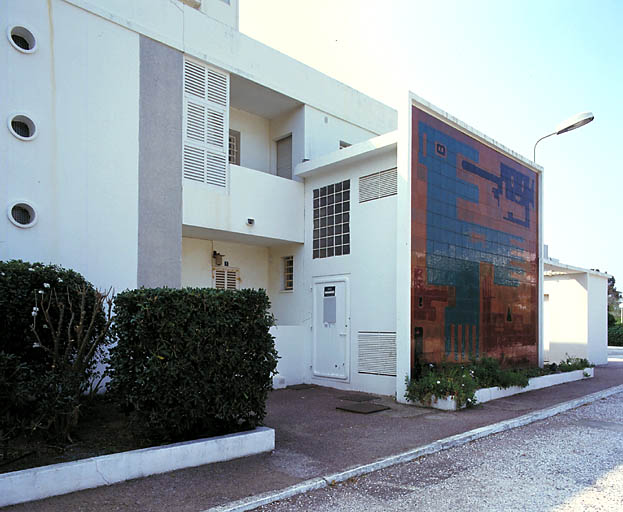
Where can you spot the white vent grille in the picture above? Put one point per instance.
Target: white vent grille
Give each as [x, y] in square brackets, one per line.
[378, 185]
[206, 122]
[377, 353]
[225, 278]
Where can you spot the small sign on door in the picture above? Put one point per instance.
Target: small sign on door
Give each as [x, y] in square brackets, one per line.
[329, 291]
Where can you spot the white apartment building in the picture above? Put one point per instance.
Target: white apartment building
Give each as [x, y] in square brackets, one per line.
[150, 143]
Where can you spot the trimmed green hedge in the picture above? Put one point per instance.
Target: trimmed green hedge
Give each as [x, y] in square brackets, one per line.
[192, 362]
[615, 335]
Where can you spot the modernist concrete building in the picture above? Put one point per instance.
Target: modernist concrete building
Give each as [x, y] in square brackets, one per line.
[150, 143]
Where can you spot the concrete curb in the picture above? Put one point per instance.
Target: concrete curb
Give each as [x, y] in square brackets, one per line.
[45, 481]
[258, 500]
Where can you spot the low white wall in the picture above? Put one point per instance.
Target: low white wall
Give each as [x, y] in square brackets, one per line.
[43, 482]
[290, 342]
[275, 203]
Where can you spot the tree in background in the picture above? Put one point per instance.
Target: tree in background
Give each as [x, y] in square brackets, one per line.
[614, 299]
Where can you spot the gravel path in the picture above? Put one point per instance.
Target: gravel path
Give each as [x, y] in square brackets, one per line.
[573, 461]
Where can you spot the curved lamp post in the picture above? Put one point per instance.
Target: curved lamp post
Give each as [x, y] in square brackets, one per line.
[566, 126]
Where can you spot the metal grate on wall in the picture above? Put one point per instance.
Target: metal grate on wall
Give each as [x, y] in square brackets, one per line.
[378, 185]
[377, 353]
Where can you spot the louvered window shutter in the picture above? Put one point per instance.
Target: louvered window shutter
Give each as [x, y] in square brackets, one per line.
[206, 124]
[225, 278]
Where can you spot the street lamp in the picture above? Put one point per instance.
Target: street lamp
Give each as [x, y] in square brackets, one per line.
[566, 126]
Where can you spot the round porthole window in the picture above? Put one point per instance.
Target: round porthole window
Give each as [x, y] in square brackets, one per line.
[22, 214]
[22, 127]
[22, 39]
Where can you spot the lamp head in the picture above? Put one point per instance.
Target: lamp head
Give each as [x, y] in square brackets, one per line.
[574, 122]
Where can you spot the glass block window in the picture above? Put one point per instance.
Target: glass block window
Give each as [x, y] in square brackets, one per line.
[332, 220]
[288, 273]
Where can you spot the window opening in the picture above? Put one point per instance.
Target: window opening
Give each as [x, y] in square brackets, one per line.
[288, 273]
[331, 236]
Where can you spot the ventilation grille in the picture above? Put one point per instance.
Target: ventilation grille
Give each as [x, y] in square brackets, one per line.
[377, 185]
[206, 101]
[225, 278]
[377, 353]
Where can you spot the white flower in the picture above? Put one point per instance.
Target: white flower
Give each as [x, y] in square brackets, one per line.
[40, 291]
[2, 274]
[469, 400]
[45, 326]
[36, 345]
[462, 385]
[35, 308]
[60, 280]
[34, 313]
[430, 364]
[30, 269]
[438, 382]
[46, 285]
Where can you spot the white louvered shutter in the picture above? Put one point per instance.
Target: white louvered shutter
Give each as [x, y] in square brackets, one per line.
[206, 124]
[225, 278]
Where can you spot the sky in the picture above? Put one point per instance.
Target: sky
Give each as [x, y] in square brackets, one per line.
[511, 69]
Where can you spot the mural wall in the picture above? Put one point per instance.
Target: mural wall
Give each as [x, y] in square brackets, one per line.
[474, 262]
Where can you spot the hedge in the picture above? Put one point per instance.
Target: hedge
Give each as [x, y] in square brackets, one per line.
[53, 328]
[193, 362]
[615, 335]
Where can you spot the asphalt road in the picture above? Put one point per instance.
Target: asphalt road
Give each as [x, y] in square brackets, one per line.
[573, 461]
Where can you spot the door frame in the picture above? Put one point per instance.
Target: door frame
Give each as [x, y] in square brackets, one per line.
[347, 349]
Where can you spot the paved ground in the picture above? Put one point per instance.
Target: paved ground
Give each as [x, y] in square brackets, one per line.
[572, 461]
[313, 439]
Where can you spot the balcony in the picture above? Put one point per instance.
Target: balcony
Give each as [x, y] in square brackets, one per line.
[276, 206]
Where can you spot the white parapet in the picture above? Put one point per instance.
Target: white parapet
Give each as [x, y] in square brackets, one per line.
[488, 394]
[43, 482]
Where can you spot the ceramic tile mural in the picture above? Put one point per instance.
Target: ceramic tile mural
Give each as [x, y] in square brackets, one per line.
[474, 234]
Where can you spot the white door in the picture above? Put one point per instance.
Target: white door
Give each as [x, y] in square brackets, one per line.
[331, 328]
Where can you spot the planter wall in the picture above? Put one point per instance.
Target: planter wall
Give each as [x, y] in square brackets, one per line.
[488, 394]
[43, 482]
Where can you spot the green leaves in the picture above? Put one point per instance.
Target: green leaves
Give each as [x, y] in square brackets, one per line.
[192, 362]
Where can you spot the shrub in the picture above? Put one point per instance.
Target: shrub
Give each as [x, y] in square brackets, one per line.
[615, 335]
[192, 362]
[20, 283]
[611, 320]
[54, 328]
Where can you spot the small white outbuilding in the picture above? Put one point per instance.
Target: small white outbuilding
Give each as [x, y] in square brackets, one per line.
[575, 318]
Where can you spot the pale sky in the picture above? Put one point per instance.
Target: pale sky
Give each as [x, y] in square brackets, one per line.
[511, 69]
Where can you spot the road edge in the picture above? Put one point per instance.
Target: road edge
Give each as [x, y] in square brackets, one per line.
[265, 498]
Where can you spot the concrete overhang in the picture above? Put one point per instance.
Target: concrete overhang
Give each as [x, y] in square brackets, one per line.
[231, 236]
[342, 157]
[553, 267]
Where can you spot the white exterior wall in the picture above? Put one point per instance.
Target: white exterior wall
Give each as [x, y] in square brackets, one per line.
[323, 133]
[255, 142]
[292, 123]
[81, 172]
[252, 260]
[189, 30]
[566, 319]
[370, 267]
[597, 319]
[225, 11]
